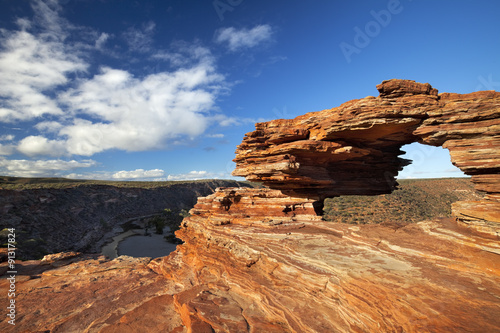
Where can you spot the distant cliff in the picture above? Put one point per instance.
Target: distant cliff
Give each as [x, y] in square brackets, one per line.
[50, 220]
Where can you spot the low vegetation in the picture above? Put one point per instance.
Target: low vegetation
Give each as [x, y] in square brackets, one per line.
[415, 200]
[168, 218]
[18, 183]
[34, 246]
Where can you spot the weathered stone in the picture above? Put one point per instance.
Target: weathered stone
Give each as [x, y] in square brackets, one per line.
[355, 148]
[253, 204]
[483, 216]
[295, 276]
[398, 88]
[259, 260]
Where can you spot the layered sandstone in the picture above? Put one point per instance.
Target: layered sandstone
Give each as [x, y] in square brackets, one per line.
[355, 148]
[262, 260]
[277, 268]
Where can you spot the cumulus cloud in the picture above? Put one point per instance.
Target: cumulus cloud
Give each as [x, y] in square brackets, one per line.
[113, 109]
[218, 135]
[9, 148]
[40, 168]
[139, 114]
[244, 38]
[194, 175]
[138, 174]
[29, 66]
[6, 149]
[149, 175]
[32, 64]
[7, 137]
[49, 126]
[39, 145]
[184, 54]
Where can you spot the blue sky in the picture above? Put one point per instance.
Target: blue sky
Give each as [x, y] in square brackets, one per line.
[165, 90]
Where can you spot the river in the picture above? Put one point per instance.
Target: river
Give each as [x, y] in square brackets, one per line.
[133, 243]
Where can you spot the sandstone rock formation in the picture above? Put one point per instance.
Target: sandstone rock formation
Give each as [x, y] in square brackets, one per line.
[276, 268]
[262, 260]
[354, 148]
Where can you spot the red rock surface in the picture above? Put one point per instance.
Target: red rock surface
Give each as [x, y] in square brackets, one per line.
[355, 148]
[259, 260]
[272, 270]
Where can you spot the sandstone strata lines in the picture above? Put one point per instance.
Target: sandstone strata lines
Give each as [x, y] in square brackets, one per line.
[355, 148]
[262, 260]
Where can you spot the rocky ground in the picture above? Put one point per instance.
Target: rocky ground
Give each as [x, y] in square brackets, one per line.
[264, 270]
[262, 260]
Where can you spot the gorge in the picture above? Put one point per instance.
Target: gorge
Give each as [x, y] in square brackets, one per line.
[264, 260]
[75, 216]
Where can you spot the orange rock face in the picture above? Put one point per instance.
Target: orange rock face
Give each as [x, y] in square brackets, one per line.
[262, 260]
[273, 270]
[355, 148]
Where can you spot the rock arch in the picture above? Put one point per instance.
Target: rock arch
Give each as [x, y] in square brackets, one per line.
[355, 148]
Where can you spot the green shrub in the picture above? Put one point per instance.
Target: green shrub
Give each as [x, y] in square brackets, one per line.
[158, 223]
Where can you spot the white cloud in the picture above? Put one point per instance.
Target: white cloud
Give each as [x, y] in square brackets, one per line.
[216, 136]
[190, 175]
[140, 114]
[225, 121]
[149, 175]
[111, 110]
[49, 126]
[145, 175]
[244, 38]
[6, 149]
[31, 64]
[40, 168]
[138, 174]
[140, 39]
[194, 175]
[99, 43]
[47, 18]
[28, 67]
[7, 137]
[38, 145]
[184, 54]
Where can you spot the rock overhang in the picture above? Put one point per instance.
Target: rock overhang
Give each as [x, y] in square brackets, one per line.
[260, 260]
[355, 148]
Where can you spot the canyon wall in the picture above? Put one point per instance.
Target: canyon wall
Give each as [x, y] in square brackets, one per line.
[263, 260]
[53, 220]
